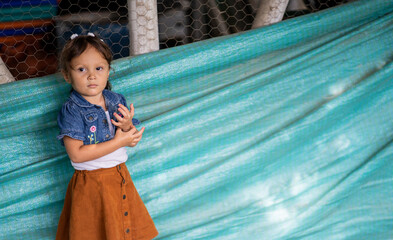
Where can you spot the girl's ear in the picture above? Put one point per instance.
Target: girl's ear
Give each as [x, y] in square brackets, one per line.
[66, 77]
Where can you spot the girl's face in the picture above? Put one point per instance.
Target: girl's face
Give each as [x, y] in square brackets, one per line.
[89, 74]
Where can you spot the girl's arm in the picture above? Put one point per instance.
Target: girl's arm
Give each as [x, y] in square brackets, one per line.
[82, 153]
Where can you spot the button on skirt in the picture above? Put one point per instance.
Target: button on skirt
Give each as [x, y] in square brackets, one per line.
[104, 204]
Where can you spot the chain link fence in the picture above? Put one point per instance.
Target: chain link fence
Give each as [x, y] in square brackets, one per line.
[32, 33]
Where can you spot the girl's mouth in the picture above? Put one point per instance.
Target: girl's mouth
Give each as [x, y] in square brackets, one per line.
[92, 85]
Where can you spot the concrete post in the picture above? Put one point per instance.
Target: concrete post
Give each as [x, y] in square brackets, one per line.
[269, 12]
[143, 26]
[5, 75]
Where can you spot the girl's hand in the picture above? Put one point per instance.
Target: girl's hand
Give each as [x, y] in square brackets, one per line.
[124, 122]
[130, 138]
[137, 136]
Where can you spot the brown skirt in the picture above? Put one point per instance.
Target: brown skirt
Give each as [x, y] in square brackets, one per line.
[104, 204]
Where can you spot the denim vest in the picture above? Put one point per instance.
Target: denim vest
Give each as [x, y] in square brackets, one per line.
[84, 121]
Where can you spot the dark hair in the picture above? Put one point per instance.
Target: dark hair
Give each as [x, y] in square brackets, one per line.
[75, 47]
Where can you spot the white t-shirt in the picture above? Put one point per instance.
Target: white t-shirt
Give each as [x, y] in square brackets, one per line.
[110, 160]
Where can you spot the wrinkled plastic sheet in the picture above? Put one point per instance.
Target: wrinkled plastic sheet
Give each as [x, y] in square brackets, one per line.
[283, 132]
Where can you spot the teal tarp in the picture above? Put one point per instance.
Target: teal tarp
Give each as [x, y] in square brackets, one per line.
[284, 132]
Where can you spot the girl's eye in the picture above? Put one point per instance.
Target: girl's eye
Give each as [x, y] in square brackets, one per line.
[81, 69]
[99, 68]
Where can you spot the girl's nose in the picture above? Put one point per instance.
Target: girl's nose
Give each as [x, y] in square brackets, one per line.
[91, 76]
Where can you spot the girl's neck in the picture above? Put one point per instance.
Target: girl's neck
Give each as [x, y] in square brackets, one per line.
[99, 101]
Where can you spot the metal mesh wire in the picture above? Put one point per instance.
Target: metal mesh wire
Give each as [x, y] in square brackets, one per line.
[34, 32]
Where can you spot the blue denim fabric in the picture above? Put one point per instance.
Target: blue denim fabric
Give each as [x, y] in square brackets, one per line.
[84, 121]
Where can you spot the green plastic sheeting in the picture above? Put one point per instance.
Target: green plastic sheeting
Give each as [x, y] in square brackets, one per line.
[27, 13]
[283, 132]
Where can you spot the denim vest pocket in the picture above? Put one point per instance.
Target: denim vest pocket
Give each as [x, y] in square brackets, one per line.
[91, 117]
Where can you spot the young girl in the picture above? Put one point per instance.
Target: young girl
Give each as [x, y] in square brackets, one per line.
[95, 127]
